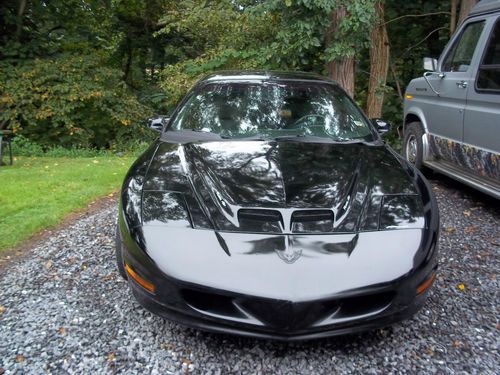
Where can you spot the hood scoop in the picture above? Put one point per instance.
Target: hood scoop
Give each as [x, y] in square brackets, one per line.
[288, 221]
[312, 221]
[256, 220]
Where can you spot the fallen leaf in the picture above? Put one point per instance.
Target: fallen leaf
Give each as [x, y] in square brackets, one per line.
[471, 229]
[458, 343]
[107, 277]
[20, 358]
[450, 229]
[95, 161]
[61, 331]
[461, 286]
[2, 309]
[186, 361]
[111, 357]
[467, 213]
[48, 264]
[168, 346]
[110, 195]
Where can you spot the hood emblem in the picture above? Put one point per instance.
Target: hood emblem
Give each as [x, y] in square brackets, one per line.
[289, 254]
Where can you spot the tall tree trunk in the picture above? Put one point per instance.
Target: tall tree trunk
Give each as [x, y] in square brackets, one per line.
[19, 21]
[453, 18]
[465, 7]
[379, 64]
[128, 61]
[343, 70]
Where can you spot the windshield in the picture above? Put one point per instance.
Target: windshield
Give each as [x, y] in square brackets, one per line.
[273, 109]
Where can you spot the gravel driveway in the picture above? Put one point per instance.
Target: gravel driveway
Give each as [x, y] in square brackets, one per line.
[63, 308]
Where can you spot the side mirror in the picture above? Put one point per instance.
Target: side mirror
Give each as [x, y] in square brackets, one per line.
[157, 123]
[382, 126]
[430, 64]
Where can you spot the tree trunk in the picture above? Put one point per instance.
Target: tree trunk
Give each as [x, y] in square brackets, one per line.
[128, 61]
[19, 21]
[465, 7]
[453, 18]
[379, 64]
[342, 70]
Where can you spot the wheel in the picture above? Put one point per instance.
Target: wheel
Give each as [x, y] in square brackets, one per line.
[413, 149]
[118, 253]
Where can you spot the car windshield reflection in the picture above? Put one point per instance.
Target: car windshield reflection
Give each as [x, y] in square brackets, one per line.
[273, 110]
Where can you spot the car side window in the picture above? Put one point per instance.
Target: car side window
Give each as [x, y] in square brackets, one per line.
[488, 77]
[460, 55]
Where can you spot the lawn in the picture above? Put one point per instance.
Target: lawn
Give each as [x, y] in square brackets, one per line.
[36, 193]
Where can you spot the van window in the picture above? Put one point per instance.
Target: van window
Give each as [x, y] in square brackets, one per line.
[459, 57]
[489, 70]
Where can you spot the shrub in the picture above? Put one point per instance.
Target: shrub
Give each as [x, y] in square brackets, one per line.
[71, 101]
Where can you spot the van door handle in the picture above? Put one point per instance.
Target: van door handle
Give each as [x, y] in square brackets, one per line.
[462, 84]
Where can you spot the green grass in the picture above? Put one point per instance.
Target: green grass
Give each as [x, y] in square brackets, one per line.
[38, 192]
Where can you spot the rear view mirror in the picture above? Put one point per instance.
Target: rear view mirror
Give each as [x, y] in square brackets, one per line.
[157, 123]
[430, 64]
[381, 126]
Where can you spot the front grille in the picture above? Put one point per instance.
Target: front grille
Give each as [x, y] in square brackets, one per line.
[280, 315]
[215, 304]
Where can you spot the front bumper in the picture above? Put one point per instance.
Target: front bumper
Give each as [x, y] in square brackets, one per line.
[216, 311]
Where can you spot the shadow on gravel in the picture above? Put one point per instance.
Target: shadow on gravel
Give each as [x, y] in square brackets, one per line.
[281, 348]
[459, 190]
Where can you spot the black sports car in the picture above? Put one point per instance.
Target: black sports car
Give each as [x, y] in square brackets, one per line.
[270, 207]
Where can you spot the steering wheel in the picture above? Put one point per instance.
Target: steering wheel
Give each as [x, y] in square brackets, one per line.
[302, 121]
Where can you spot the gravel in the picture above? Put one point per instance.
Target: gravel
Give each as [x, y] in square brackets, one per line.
[64, 309]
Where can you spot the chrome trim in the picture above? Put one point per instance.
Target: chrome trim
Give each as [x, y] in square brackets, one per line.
[426, 150]
[466, 178]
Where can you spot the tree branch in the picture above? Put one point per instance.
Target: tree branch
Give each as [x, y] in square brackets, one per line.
[423, 40]
[416, 15]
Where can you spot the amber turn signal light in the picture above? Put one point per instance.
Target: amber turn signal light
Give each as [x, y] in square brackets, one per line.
[139, 280]
[427, 283]
[409, 96]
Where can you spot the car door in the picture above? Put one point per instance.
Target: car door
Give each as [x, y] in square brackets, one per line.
[444, 111]
[482, 112]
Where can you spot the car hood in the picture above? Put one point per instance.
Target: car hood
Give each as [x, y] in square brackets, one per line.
[277, 186]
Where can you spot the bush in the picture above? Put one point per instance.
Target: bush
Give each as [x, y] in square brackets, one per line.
[22, 146]
[71, 101]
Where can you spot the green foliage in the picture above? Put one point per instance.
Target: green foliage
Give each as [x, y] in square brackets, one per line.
[37, 193]
[73, 100]
[87, 73]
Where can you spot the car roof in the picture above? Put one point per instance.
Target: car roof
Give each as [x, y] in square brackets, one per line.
[485, 6]
[264, 75]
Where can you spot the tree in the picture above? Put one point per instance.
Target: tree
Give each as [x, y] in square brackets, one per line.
[347, 34]
[379, 64]
[453, 16]
[465, 8]
[341, 69]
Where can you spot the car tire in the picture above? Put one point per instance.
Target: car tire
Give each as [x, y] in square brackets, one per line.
[118, 253]
[413, 149]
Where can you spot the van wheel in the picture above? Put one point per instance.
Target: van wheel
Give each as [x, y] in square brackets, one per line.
[413, 149]
[118, 253]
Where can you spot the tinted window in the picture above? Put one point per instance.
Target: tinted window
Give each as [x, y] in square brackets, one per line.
[489, 71]
[238, 110]
[460, 55]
